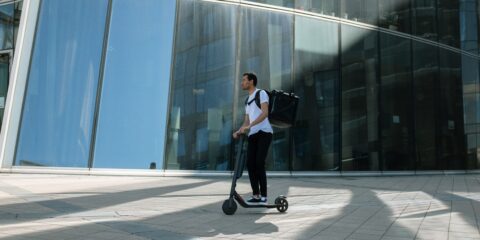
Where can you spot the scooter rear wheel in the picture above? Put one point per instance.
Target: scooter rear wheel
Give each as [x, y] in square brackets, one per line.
[282, 204]
[229, 209]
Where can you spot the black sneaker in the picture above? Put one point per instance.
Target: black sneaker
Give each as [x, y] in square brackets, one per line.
[263, 201]
[253, 200]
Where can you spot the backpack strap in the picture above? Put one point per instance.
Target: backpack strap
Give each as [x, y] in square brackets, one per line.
[257, 98]
[247, 102]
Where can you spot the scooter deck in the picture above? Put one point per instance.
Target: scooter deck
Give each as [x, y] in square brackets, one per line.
[244, 204]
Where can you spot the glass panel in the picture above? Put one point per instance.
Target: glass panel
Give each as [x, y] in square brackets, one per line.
[477, 166]
[6, 26]
[424, 23]
[365, 11]
[396, 103]
[472, 161]
[201, 117]
[316, 83]
[476, 152]
[448, 19]
[395, 15]
[60, 97]
[16, 23]
[4, 74]
[451, 135]
[470, 78]
[266, 49]
[326, 7]
[425, 74]
[469, 25]
[137, 89]
[359, 99]
[282, 3]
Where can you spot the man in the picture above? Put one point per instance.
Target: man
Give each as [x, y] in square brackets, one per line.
[259, 138]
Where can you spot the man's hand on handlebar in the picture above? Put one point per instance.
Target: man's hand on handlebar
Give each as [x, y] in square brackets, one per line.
[236, 134]
[244, 129]
[241, 131]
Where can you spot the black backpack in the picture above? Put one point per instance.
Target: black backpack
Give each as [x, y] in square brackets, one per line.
[282, 107]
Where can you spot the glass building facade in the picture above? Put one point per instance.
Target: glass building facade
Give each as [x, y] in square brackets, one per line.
[384, 85]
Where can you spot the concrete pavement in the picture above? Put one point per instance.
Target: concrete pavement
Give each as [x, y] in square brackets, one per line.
[104, 207]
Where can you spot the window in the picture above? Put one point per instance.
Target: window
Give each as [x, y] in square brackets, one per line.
[201, 115]
[60, 97]
[133, 107]
[316, 83]
[359, 99]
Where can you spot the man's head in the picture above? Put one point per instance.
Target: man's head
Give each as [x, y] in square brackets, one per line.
[249, 80]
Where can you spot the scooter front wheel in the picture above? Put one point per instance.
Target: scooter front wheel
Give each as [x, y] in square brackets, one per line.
[229, 207]
[282, 204]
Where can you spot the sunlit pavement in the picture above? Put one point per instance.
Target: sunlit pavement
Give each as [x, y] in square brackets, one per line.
[100, 207]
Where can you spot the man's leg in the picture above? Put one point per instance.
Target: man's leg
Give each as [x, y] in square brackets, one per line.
[251, 166]
[263, 143]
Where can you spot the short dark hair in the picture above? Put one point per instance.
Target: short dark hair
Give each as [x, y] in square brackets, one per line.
[251, 77]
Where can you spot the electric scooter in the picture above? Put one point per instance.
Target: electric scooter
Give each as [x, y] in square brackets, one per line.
[230, 206]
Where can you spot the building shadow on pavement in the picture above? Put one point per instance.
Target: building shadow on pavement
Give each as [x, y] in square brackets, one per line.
[368, 211]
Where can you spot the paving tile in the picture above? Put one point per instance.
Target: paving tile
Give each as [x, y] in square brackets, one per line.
[463, 235]
[432, 235]
[396, 238]
[362, 236]
[464, 228]
[370, 231]
[400, 232]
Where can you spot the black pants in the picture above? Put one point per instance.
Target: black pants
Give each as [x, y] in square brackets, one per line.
[258, 145]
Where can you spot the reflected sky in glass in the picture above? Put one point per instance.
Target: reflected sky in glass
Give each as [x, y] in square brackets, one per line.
[62, 84]
[132, 119]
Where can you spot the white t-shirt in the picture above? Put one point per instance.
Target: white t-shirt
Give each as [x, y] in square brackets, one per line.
[254, 112]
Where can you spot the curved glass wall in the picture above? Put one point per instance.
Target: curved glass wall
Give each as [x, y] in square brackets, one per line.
[371, 99]
[450, 22]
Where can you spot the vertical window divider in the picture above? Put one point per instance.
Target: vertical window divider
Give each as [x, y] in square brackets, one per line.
[413, 120]
[437, 96]
[100, 84]
[235, 110]
[292, 129]
[339, 100]
[379, 102]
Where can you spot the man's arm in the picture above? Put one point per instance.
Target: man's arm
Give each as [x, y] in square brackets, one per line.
[245, 124]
